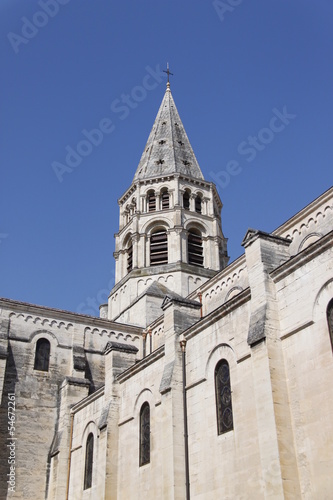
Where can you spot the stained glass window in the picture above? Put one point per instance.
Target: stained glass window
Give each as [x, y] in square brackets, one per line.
[223, 397]
[330, 320]
[145, 434]
[42, 355]
[88, 467]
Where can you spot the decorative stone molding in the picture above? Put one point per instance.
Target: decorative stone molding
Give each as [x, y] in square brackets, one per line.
[37, 320]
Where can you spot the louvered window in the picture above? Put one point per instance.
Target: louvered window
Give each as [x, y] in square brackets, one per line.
[165, 200]
[194, 249]
[158, 248]
[223, 397]
[151, 202]
[186, 200]
[198, 204]
[129, 258]
[145, 434]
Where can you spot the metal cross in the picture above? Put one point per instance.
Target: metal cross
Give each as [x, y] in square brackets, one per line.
[168, 72]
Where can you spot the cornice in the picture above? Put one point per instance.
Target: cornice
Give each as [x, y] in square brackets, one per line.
[62, 315]
[218, 313]
[231, 268]
[303, 257]
[305, 212]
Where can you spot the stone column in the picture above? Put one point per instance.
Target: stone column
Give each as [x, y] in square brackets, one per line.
[135, 250]
[192, 202]
[142, 250]
[117, 266]
[148, 251]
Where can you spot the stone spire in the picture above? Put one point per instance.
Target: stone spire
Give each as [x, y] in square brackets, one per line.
[168, 149]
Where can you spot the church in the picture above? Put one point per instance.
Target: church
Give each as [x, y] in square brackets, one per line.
[201, 378]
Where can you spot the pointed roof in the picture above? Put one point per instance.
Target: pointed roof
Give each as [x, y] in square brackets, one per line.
[168, 149]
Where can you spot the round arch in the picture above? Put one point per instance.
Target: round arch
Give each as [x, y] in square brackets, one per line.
[196, 225]
[161, 223]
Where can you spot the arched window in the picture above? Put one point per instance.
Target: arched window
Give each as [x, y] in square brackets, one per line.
[151, 201]
[42, 355]
[198, 203]
[159, 248]
[145, 434]
[129, 257]
[165, 200]
[186, 200]
[194, 248]
[330, 320]
[88, 465]
[223, 397]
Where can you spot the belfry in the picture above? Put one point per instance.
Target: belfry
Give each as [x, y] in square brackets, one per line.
[201, 379]
[170, 233]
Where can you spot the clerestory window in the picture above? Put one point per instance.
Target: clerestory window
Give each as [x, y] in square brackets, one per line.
[42, 355]
[223, 397]
[144, 434]
[88, 466]
[330, 321]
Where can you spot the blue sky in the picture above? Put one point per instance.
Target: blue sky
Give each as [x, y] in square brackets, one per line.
[67, 64]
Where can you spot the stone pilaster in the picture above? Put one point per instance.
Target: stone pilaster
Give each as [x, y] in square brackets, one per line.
[71, 391]
[264, 253]
[179, 314]
[118, 357]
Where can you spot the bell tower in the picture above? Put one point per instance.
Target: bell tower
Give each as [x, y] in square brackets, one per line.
[170, 237]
